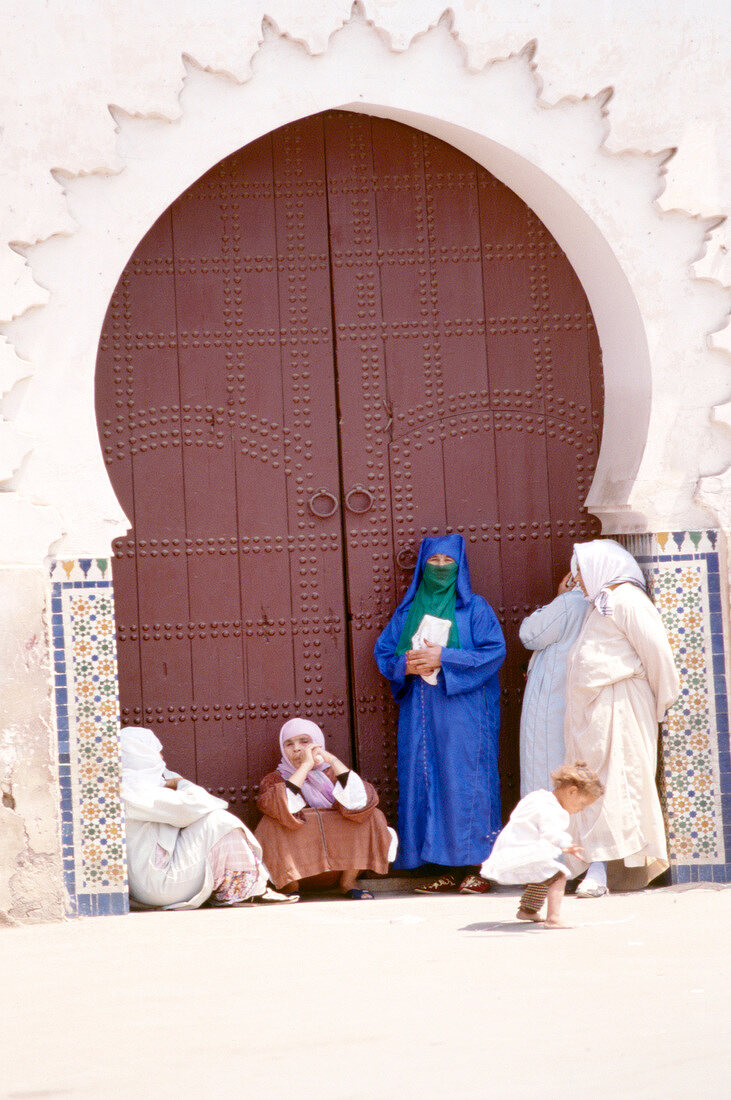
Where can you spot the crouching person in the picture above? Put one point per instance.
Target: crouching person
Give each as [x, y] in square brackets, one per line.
[183, 847]
[320, 823]
[530, 846]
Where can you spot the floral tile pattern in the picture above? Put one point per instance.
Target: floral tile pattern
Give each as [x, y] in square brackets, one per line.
[87, 712]
[684, 574]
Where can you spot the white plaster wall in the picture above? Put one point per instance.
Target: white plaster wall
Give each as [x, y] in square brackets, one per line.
[89, 189]
[31, 883]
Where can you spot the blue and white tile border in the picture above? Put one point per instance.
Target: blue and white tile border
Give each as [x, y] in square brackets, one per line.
[87, 723]
[686, 573]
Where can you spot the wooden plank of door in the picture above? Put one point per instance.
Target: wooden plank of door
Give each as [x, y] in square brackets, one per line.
[573, 384]
[159, 505]
[263, 468]
[466, 422]
[514, 288]
[319, 646]
[113, 374]
[365, 427]
[208, 259]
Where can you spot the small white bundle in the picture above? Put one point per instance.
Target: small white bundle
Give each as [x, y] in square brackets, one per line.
[435, 631]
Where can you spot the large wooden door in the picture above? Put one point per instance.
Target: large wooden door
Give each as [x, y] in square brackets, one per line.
[470, 390]
[344, 337]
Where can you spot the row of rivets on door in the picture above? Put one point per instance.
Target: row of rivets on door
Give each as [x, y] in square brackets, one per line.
[233, 337]
[492, 417]
[484, 531]
[315, 541]
[222, 440]
[175, 548]
[482, 399]
[327, 624]
[183, 712]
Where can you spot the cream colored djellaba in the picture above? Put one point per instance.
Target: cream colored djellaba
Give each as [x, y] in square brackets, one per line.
[621, 679]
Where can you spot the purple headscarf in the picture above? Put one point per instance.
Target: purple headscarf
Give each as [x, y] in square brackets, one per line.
[317, 789]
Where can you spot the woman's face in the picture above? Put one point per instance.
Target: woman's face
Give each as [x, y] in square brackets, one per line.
[580, 582]
[439, 559]
[295, 748]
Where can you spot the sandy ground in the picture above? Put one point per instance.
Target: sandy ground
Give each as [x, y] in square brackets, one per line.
[403, 996]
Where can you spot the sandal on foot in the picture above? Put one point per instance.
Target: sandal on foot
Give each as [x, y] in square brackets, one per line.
[590, 889]
[270, 895]
[474, 884]
[359, 895]
[445, 884]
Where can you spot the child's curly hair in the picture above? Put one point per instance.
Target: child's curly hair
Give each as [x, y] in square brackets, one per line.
[580, 776]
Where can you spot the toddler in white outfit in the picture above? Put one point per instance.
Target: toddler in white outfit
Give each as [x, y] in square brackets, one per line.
[529, 848]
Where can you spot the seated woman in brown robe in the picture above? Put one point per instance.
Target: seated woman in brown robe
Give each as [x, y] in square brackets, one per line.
[320, 823]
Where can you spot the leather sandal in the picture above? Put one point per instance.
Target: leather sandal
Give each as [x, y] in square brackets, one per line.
[445, 884]
[474, 884]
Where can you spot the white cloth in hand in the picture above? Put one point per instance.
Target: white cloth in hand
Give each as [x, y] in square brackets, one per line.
[436, 631]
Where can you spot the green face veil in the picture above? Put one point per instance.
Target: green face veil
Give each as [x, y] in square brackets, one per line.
[436, 595]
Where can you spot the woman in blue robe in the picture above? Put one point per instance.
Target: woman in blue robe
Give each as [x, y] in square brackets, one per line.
[449, 789]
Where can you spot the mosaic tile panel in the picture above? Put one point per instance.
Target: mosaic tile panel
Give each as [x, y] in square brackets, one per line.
[683, 569]
[87, 709]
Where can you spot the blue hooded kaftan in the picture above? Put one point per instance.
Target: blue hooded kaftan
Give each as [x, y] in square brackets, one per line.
[449, 789]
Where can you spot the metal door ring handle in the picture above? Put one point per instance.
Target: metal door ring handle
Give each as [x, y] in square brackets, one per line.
[355, 491]
[406, 558]
[327, 496]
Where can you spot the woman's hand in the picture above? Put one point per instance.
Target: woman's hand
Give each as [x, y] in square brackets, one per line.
[310, 760]
[330, 758]
[573, 850]
[420, 662]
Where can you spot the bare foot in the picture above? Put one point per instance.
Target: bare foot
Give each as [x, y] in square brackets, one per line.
[556, 922]
[523, 914]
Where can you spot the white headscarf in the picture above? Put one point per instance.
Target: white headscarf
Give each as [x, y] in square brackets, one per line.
[602, 563]
[142, 762]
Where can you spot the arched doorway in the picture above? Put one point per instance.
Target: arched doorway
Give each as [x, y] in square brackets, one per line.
[343, 337]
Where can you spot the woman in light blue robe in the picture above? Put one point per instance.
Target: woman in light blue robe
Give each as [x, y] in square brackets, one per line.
[449, 789]
[550, 632]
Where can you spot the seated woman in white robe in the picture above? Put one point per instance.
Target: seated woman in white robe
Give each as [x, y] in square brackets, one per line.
[621, 679]
[183, 847]
[550, 632]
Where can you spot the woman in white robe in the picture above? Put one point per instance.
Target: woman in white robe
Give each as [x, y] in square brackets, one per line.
[621, 679]
[183, 846]
[550, 632]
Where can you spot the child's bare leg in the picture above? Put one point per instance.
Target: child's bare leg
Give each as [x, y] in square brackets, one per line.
[531, 901]
[554, 899]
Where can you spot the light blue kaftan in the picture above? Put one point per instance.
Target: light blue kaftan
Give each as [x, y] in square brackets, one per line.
[449, 789]
[550, 632]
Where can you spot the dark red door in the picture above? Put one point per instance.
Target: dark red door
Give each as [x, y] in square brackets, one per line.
[344, 337]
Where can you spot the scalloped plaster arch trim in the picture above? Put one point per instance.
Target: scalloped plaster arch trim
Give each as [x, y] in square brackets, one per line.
[633, 260]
